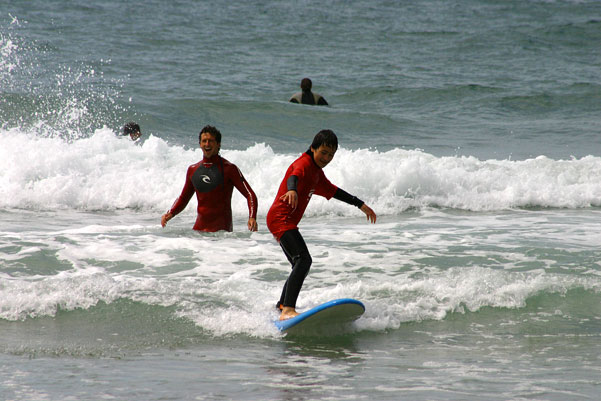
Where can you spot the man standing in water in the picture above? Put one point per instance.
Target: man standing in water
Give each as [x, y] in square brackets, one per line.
[306, 96]
[304, 178]
[213, 180]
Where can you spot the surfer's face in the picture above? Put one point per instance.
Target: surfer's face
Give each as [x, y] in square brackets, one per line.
[209, 145]
[323, 155]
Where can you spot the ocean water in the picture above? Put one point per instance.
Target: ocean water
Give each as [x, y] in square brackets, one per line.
[470, 127]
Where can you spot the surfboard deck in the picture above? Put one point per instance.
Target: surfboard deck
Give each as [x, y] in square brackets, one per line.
[327, 318]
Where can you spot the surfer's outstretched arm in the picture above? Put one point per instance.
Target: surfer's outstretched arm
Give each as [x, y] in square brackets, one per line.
[344, 196]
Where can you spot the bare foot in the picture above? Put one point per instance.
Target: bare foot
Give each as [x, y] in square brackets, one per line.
[288, 312]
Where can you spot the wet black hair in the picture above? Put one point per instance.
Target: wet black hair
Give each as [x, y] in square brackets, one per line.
[306, 84]
[209, 129]
[325, 137]
[131, 128]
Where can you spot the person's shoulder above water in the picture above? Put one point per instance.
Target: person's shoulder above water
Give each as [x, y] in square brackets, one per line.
[306, 96]
[133, 130]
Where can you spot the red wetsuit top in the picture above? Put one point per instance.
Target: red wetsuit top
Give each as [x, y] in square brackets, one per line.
[311, 180]
[213, 180]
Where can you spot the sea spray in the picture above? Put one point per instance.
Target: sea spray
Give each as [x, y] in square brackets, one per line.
[107, 172]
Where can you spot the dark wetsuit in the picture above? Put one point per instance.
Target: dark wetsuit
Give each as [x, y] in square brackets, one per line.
[213, 181]
[306, 178]
[308, 97]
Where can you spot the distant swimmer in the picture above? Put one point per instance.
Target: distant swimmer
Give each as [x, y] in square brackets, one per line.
[306, 96]
[133, 130]
[213, 180]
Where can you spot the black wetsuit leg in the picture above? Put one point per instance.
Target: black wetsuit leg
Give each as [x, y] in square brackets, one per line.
[296, 251]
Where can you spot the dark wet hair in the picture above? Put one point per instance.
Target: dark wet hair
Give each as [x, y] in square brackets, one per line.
[306, 84]
[325, 137]
[131, 128]
[209, 129]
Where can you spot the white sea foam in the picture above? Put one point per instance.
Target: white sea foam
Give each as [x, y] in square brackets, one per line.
[238, 303]
[108, 172]
[405, 268]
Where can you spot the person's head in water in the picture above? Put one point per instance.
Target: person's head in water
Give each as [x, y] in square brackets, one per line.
[210, 141]
[306, 85]
[133, 130]
[324, 147]
[306, 96]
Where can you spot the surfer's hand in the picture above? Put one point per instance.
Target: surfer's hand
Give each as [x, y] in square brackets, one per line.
[291, 198]
[252, 224]
[371, 215]
[165, 218]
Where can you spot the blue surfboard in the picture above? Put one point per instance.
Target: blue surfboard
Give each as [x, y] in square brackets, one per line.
[327, 318]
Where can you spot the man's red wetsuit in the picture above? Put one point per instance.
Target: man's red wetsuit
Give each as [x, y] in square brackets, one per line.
[311, 180]
[213, 179]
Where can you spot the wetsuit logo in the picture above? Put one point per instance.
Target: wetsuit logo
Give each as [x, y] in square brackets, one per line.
[206, 179]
